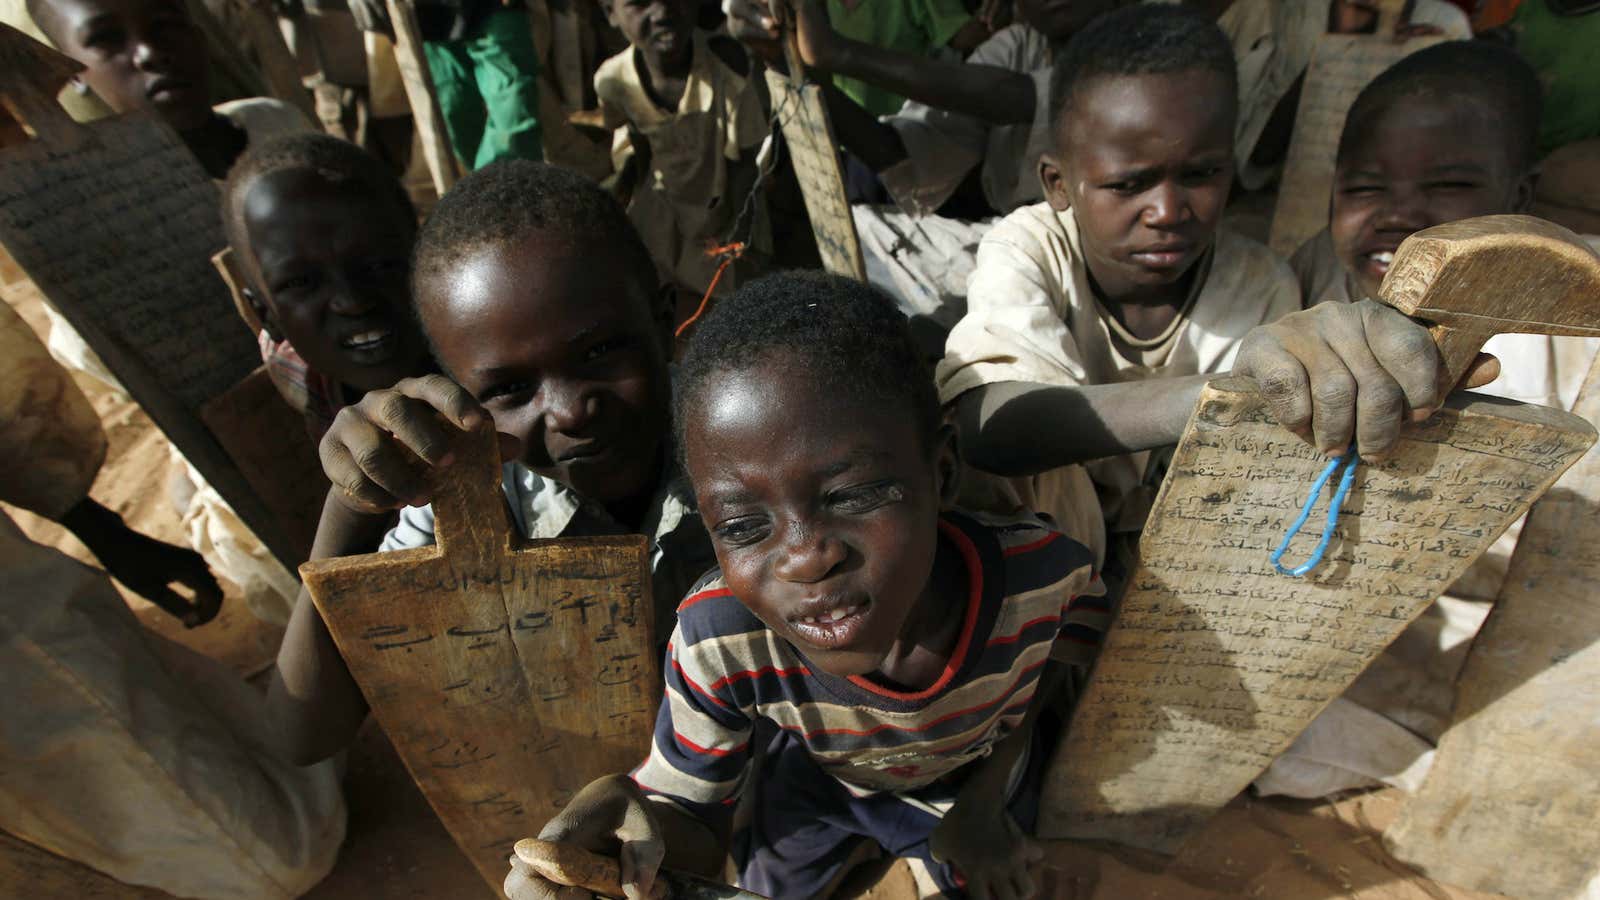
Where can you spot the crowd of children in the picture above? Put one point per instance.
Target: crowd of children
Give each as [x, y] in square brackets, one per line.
[888, 522]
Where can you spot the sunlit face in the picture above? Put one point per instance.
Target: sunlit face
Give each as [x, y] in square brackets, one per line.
[567, 345]
[823, 509]
[1422, 162]
[137, 54]
[332, 265]
[1145, 163]
[662, 30]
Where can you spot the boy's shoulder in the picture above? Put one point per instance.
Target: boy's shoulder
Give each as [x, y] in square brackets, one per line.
[1262, 269]
[710, 610]
[1034, 225]
[1027, 548]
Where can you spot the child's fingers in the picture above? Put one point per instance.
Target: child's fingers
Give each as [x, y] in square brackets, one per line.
[1379, 400]
[1483, 370]
[449, 398]
[1282, 377]
[1405, 350]
[344, 471]
[370, 451]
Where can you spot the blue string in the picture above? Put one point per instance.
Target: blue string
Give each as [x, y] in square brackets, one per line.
[1351, 461]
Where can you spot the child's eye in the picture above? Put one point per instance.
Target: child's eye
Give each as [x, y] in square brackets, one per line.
[1360, 190]
[104, 38]
[866, 497]
[604, 347]
[742, 531]
[1125, 188]
[1202, 175]
[503, 391]
[1453, 186]
[294, 284]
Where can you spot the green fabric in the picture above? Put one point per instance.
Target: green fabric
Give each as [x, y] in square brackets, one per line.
[488, 88]
[917, 27]
[1565, 50]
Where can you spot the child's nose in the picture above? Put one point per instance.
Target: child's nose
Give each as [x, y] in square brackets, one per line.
[1168, 206]
[568, 406]
[808, 556]
[149, 56]
[349, 300]
[1402, 210]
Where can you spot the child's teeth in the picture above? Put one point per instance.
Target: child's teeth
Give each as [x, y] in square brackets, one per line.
[1385, 257]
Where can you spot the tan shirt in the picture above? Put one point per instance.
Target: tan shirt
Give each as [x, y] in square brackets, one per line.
[1031, 316]
[696, 185]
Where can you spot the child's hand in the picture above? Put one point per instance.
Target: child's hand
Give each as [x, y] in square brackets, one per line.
[1339, 369]
[754, 24]
[609, 816]
[985, 845]
[377, 449]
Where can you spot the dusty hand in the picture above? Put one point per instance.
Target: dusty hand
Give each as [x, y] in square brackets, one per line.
[755, 24]
[985, 845]
[610, 816]
[377, 449]
[1339, 369]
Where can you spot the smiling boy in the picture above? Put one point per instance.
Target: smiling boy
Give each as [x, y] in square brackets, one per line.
[1120, 278]
[544, 312]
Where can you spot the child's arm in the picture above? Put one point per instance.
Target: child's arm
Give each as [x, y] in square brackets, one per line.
[611, 816]
[1329, 373]
[147, 567]
[991, 93]
[374, 455]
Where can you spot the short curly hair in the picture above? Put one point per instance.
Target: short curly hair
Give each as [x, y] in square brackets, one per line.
[1490, 75]
[503, 202]
[849, 335]
[1142, 39]
[339, 163]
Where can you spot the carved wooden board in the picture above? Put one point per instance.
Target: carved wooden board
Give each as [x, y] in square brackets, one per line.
[1341, 65]
[509, 674]
[116, 222]
[815, 156]
[1512, 804]
[1216, 662]
[418, 81]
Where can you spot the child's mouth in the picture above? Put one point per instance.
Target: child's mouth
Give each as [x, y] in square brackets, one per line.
[366, 340]
[834, 628]
[1379, 262]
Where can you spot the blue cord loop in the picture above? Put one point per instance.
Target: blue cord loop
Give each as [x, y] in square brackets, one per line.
[1351, 461]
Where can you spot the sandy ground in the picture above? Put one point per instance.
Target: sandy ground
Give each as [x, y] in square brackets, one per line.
[396, 848]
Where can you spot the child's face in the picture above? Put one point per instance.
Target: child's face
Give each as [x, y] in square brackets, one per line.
[1060, 19]
[567, 348]
[663, 30]
[1424, 162]
[138, 54]
[331, 263]
[1145, 162]
[820, 508]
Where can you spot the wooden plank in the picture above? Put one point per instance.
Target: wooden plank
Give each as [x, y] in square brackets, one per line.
[425, 113]
[815, 156]
[1512, 801]
[278, 65]
[267, 439]
[116, 222]
[27, 870]
[1341, 65]
[1216, 662]
[508, 673]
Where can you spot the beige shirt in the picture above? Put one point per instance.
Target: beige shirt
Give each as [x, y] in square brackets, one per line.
[51, 443]
[696, 186]
[943, 146]
[1272, 43]
[1031, 316]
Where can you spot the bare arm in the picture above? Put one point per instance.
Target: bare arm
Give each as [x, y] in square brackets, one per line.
[1021, 428]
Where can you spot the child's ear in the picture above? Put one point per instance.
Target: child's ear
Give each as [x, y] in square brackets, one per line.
[263, 312]
[1053, 178]
[1523, 192]
[947, 465]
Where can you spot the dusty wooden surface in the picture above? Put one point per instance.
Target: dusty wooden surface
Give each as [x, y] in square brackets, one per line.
[1341, 65]
[508, 674]
[116, 223]
[418, 82]
[815, 157]
[29, 871]
[278, 65]
[1512, 804]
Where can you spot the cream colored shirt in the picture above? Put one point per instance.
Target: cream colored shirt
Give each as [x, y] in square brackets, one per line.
[51, 443]
[696, 185]
[1031, 316]
[1272, 43]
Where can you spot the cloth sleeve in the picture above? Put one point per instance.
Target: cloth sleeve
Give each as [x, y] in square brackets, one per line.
[51, 442]
[700, 756]
[1012, 330]
[414, 529]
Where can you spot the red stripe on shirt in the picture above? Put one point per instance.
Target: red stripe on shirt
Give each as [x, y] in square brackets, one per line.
[707, 751]
[692, 599]
[1032, 545]
[698, 689]
[725, 680]
[1012, 638]
[887, 726]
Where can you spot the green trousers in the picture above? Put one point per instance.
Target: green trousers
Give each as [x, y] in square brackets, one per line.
[488, 88]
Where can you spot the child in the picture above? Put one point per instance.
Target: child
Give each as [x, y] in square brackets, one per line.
[324, 233]
[540, 301]
[982, 122]
[890, 639]
[690, 118]
[1447, 133]
[148, 54]
[1120, 278]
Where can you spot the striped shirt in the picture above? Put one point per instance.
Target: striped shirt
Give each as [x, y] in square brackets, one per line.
[1029, 588]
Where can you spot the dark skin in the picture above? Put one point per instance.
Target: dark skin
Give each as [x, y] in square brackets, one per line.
[827, 519]
[146, 566]
[330, 266]
[662, 35]
[566, 347]
[1420, 162]
[147, 55]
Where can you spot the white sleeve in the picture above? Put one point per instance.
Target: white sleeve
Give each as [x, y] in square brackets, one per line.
[415, 529]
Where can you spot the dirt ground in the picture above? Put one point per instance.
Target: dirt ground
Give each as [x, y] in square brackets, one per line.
[396, 848]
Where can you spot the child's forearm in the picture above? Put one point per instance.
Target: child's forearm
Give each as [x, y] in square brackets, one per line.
[314, 703]
[1022, 428]
[871, 141]
[995, 95]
